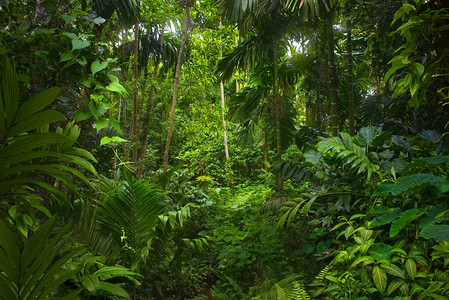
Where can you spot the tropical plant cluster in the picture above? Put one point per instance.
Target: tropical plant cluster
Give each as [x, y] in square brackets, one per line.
[224, 149]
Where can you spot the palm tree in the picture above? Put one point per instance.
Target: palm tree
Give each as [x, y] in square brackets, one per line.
[270, 18]
[147, 118]
[333, 72]
[186, 4]
[260, 53]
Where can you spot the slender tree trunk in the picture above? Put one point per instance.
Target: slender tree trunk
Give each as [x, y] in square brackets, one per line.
[142, 103]
[124, 106]
[350, 75]
[225, 131]
[265, 150]
[277, 111]
[133, 129]
[318, 104]
[225, 134]
[185, 29]
[149, 111]
[307, 104]
[333, 69]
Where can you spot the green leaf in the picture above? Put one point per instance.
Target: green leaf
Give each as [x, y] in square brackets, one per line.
[380, 251]
[115, 124]
[133, 211]
[385, 218]
[81, 115]
[437, 232]
[79, 44]
[405, 218]
[414, 86]
[379, 278]
[97, 66]
[10, 89]
[393, 270]
[66, 56]
[406, 184]
[101, 123]
[114, 289]
[306, 207]
[36, 121]
[90, 282]
[366, 260]
[410, 266]
[37, 103]
[394, 285]
[436, 214]
[115, 139]
[116, 87]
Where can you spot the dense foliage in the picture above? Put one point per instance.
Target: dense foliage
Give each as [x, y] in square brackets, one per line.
[224, 149]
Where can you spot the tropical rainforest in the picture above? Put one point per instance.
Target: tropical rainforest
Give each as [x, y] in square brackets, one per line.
[224, 149]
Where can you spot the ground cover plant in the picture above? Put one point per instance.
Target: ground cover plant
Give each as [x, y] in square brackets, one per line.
[224, 149]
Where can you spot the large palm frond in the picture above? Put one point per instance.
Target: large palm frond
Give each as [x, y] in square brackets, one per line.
[27, 150]
[308, 9]
[131, 215]
[32, 268]
[127, 10]
[249, 53]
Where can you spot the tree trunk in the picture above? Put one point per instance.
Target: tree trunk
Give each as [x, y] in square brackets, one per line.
[146, 127]
[306, 104]
[225, 135]
[185, 29]
[124, 106]
[225, 132]
[133, 129]
[350, 75]
[333, 71]
[277, 111]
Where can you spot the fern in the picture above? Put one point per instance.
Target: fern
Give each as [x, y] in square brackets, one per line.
[322, 274]
[298, 293]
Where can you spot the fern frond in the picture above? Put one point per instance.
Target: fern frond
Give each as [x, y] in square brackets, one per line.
[298, 292]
